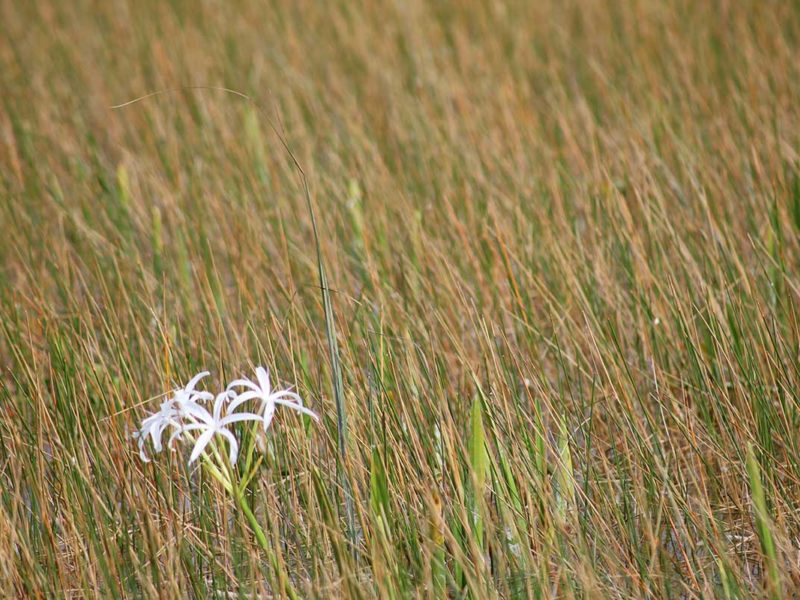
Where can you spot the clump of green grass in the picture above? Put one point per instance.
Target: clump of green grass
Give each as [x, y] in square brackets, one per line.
[553, 289]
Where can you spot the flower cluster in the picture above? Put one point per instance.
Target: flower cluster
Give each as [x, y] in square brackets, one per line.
[199, 416]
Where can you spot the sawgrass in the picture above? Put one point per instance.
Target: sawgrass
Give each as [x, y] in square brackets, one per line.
[548, 311]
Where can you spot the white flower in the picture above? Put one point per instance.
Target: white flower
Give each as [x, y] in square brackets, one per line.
[185, 413]
[269, 399]
[170, 414]
[211, 424]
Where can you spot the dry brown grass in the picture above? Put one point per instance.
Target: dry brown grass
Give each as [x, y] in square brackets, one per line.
[562, 242]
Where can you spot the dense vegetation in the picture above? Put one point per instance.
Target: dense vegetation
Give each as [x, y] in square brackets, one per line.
[558, 274]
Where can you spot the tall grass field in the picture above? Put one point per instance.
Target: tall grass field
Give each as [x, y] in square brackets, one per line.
[535, 264]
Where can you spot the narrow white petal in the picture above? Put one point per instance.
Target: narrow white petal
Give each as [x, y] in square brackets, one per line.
[241, 399]
[299, 408]
[200, 396]
[175, 435]
[198, 412]
[234, 444]
[156, 417]
[155, 434]
[269, 412]
[238, 417]
[246, 383]
[158, 432]
[144, 430]
[149, 420]
[287, 394]
[179, 432]
[142, 453]
[195, 427]
[194, 380]
[218, 404]
[263, 379]
[154, 428]
[201, 444]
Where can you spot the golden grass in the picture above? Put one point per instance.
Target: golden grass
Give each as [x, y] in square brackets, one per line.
[562, 245]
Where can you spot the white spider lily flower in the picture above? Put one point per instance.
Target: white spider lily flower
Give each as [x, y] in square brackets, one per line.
[212, 424]
[269, 399]
[154, 426]
[170, 414]
[186, 412]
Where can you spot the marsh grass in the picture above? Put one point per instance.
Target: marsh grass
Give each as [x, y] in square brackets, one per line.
[559, 250]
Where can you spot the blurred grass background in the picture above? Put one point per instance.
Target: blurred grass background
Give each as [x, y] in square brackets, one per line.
[562, 245]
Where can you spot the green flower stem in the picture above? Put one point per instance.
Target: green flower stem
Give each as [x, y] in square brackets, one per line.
[221, 477]
[251, 518]
[249, 477]
[222, 472]
[262, 541]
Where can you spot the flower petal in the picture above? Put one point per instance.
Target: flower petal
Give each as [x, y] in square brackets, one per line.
[198, 412]
[200, 396]
[269, 412]
[194, 381]
[234, 444]
[156, 431]
[178, 432]
[263, 379]
[246, 383]
[175, 434]
[201, 444]
[142, 454]
[242, 398]
[287, 394]
[299, 408]
[222, 398]
[238, 417]
[156, 434]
